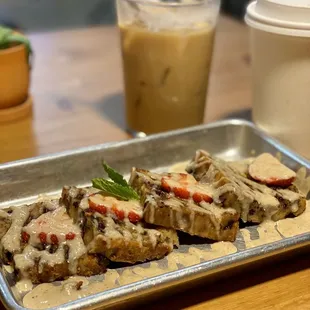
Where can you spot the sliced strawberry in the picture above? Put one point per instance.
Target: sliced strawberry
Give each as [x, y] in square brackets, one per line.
[70, 236]
[54, 239]
[25, 237]
[184, 178]
[116, 208]
[181, 192]
[120, 214]
[268, 170]
[199, 197]
[176, 184]
[133, 217]
[278, 182]
[164, 184]
[43, 237]
[184, 186]
[100, 208]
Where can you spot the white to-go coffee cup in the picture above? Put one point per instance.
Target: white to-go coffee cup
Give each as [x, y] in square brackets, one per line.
[280, 54]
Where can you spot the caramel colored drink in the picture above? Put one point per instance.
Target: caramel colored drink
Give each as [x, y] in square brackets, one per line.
[166, 69]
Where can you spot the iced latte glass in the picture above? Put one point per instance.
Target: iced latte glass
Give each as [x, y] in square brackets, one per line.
[166, 51]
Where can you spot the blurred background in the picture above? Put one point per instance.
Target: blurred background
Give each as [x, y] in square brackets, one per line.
[45, 15]
[77, 77]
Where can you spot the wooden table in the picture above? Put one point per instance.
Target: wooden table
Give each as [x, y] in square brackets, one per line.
[77, 91]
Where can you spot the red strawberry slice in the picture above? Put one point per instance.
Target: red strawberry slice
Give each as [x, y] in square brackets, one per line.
[199, 197]
[116, 208]
[70, 236]
[268, 170]
[50, 238]
[100, 208]
[51, 228]
[185, 186]
[185, 178]
[164, 184]
[43, 237]
[134, 217]
[181, 192]
[25, 237]
[54, 239]
[120, 214]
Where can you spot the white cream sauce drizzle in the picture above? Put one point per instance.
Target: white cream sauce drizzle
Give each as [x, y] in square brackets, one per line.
[11, 240]
[270, 231]
[152, 271]
[26, 260]
[242, 165]
[294, 226]
[218, 249]
[44, 295]
[110, 202]
[267, 234]
[302, 181]
[24, 286]
[179, 167]
[128, 232]
[56, 222]
[246, 190]
[48, 295]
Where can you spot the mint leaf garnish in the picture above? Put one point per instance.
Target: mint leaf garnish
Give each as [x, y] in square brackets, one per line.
[114, 175]
[118, 187]
[116, 190]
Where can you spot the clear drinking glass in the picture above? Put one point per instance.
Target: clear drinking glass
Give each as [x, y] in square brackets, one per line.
[166, 51]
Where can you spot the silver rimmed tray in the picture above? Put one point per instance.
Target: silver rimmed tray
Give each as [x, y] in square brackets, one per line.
[22, 181]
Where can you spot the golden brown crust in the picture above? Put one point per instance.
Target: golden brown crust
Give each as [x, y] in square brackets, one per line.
[120, 250]
[46, 274]
[180, 214]
[88, 265]
[129, 245]
[200, 224]
[207, 169]
[119, 241]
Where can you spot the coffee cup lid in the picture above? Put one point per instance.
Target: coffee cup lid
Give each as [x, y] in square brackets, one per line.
[290, 17]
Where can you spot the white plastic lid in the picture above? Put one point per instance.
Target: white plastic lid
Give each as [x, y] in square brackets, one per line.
[290, 17]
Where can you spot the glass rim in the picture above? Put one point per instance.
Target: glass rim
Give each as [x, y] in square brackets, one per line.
[169, 4]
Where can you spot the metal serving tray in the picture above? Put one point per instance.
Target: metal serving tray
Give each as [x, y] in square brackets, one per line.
[22, 181]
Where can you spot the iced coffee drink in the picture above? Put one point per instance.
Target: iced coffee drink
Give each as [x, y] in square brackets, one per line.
[166, 54]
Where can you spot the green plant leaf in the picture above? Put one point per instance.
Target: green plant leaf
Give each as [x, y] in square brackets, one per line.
[18, 38]
[8, 36]
[4, 33]
[116, 190]
[114, 175]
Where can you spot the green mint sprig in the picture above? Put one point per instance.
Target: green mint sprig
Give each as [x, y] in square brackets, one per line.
[8, 37]
[114, 175]
[118, 187]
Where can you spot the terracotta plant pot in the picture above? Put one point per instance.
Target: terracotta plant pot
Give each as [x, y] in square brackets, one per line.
[14, 76]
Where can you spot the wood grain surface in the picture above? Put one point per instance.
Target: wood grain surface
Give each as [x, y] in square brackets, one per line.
[282, 286]
[78, 91]
[78, 101]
